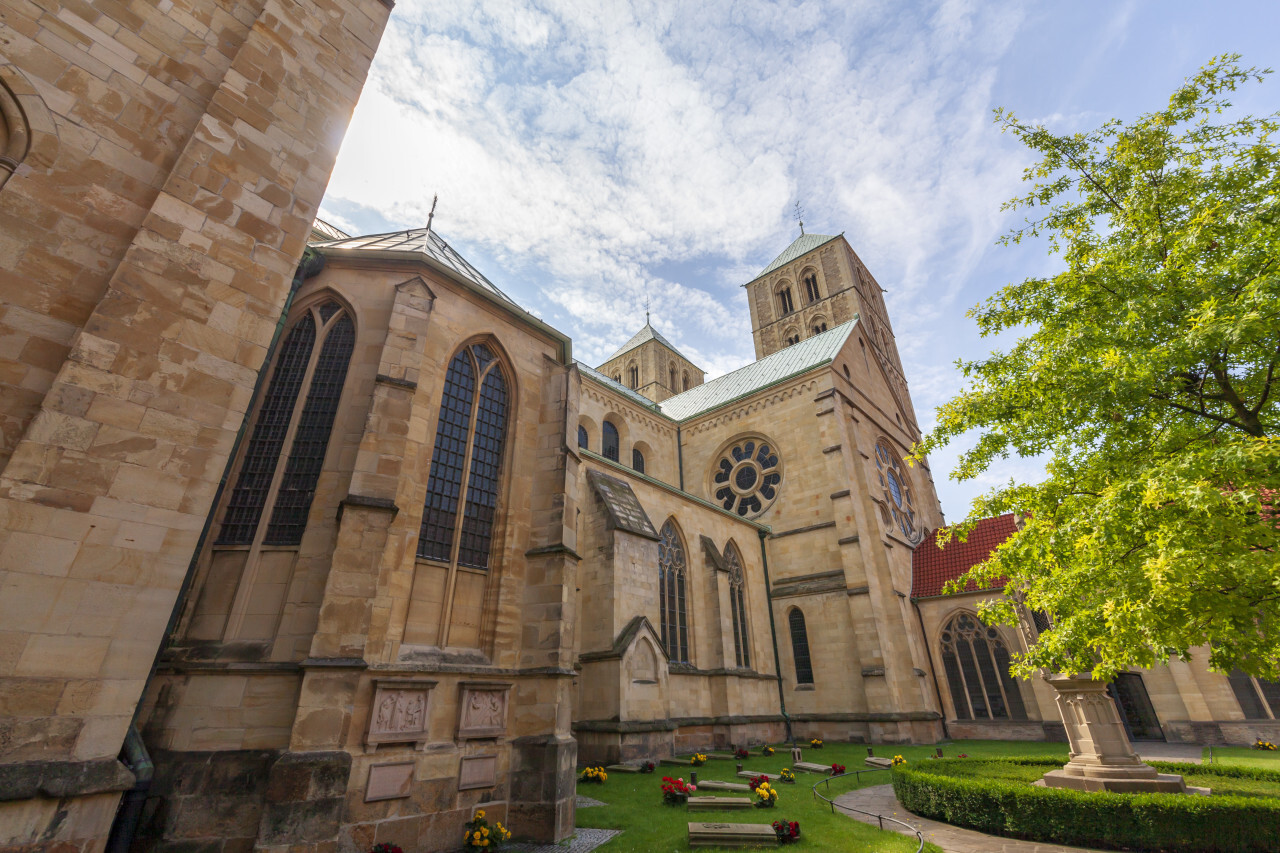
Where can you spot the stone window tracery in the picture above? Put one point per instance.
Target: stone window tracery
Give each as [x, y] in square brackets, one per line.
[294, 427]
[609, 441]
[747, 476]
[738, 608]
[633, 376]
[671, 597]
[800, 646]
[898, 495]
[786, 303]
[466, 461]
[810, 279]
[976, 662]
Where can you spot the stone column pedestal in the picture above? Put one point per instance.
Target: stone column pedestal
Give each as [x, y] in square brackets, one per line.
[1101, 757]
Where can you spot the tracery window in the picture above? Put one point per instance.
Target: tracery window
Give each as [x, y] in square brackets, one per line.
[800, 646]
[583, 439]
[609, 441]
[785, 301]
[897, 490]
[292, 426]
[747, 476]
[811, 287]
[792, 338]
[819, 328]
[637, 461]
[466, 461]
[738, 608]
[671, 600]
[977, 666]
[1259, 699]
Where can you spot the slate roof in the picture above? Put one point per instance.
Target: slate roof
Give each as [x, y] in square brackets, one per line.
[635, 396]
[803, 244]
[648, 333]
[788, 362]
[932, 567]
[424, 242]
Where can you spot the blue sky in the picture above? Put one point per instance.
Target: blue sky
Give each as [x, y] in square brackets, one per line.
[592, 155]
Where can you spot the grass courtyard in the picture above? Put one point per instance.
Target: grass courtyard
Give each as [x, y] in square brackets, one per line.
[634, 800]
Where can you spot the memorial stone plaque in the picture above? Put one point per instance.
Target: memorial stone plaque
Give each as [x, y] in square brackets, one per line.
[482, 710]
[389, 781]
[399, 713]
[477, 771]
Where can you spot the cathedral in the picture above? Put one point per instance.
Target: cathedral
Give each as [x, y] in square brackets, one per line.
[311, 541]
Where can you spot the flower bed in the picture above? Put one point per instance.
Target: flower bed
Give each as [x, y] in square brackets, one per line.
[1265, 744]
[766, 750]
[837, 769]
[969, 793]
[698, 759]
[480, 836]
[741, 752]
[594, 775]
[787, 831]
[787, 775]
[675, 792]
[766, 796]
[815, 743]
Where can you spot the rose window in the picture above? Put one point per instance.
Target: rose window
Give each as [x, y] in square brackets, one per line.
[747, 477]
[897, 491]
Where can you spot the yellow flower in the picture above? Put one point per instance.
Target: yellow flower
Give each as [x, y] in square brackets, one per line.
[480, 815]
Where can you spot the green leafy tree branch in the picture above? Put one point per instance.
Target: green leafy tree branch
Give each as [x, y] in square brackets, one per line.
[1147, 373]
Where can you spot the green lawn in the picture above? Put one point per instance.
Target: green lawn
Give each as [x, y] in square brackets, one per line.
[635, 799]
[1242, 756]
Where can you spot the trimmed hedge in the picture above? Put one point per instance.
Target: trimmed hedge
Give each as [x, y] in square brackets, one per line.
[1150, 822]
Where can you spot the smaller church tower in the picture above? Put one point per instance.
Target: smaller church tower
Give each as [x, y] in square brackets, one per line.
[651, 365]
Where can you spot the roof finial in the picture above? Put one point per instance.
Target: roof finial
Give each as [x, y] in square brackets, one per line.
[646, 308]
[798, 215]
[432, 215]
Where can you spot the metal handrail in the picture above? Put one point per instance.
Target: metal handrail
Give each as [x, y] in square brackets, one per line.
[857, 774]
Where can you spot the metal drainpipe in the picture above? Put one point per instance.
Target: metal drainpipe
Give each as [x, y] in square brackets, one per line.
[773, 633]
[680, 456]
[125, 825]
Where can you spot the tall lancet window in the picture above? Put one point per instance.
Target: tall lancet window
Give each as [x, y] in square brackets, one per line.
[976, 662]
[609, 441]
[466, 462]
[800, 646]
[671, 566]
[738, 608]
[292, 426]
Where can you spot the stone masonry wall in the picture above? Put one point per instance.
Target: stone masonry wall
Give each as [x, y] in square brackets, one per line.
[146, 251]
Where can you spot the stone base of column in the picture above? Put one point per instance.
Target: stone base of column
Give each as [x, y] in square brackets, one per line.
[543, 788]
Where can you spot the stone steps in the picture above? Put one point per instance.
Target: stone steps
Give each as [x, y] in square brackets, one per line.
[732, 835]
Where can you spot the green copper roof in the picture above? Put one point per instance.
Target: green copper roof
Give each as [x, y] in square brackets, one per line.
[806, 355]
[635, 396]
[803, 244]
[648, 333]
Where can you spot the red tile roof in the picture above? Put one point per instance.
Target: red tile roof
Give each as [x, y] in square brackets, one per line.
[932, 566]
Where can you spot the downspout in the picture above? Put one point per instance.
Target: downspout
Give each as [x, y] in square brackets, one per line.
[773, 633]
[134, 750]
[680, 456]
[933, 671]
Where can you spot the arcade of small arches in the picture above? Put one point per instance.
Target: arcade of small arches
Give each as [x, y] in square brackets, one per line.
[611, 442]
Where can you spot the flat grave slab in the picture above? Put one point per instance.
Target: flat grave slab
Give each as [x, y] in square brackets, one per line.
[708, 804]
[811, 767]
[751, 774]
[732, 835]
[623, 768]
[877, 761]
[728, 756]
[676, 762]
[715, 785]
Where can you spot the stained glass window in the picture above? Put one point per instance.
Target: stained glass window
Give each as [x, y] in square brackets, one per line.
[470, 438]
[747, 477]
[302, 471]
[609, 442]
[976, 662]
[899, 499]
[738, 608]
[671, 599]
[800, 646]
[266, 444]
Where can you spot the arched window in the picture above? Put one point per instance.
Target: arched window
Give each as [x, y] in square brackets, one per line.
[617, 377]
[811, 286]
[977, 666]
[672, 377]
[583, 438]
[819, 328]
[633, 375]
[637, 461]
[671, 602]
[466, 461]
[15, 135]
[287, 412]
[800, 646]
[609, 444]
[738, 608]
[786, 304]
[685, 382]
[897, 490]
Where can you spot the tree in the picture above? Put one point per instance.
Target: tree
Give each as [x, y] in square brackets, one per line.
[1147, 375]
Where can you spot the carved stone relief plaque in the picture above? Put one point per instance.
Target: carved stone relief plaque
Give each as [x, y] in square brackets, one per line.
[389, 781]
[399, 713]
[478, 771]
[482, 710]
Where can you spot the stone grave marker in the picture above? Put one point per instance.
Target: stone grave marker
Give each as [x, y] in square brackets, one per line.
[707, 804]
[878, 761]
[751, 774]
[716, 785]
[623, 768]
[812, 767]
[732, 835]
